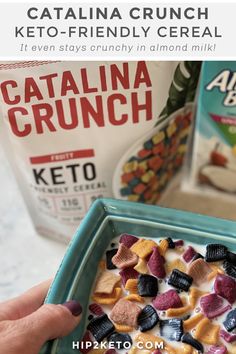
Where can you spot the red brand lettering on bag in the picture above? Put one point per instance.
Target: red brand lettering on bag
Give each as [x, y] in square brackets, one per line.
[84, 111]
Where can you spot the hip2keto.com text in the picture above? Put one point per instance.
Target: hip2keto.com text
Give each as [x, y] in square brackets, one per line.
[67, 124]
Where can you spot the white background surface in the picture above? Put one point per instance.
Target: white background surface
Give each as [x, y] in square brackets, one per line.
[25, 257]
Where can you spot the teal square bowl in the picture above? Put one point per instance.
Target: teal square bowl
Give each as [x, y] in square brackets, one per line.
[106, 219]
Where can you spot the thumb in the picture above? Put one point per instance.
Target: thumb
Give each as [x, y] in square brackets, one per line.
[48, 322]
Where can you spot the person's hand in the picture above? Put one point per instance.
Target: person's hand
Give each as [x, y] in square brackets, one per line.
[26, 324]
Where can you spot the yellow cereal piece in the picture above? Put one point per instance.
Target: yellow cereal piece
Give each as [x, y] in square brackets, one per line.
[194, 295]
[184, 300]
[163, 247]
[215, 271]
[143, 165]
[187, 349]
[132, 286]
[143, 247]
[184, 133]
[123, 328]
[106, 282]
[108, 299]
[147, 176]
[146, 339]
[133, 197]
[192, 322]
[141, 267]
[182, 149]
[134, 297]
[171, 129]
[207, 332]
[175, 312]
[160, 136]
[130, 166]
[135, 350]
[176, 264]
[102, 265]
[234, 149]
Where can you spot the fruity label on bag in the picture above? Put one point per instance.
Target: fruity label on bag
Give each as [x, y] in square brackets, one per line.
[213, 165]
[66, 125]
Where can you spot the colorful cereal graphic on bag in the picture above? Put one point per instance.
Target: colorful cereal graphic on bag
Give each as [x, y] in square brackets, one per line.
[213, 162]
[148, 166]
[171, 311]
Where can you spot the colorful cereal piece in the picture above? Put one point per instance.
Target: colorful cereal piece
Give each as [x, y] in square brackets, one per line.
[106, 282]
[128, 273]
[166, 300]
[171, 243]
[147, 176]
[147, 285]
[124, 258]
[231, 258]
[176, 312]
[171, 129]
[143, 247]
[189, 254]
[140, 188]
[134, 297]
[108, 299]
[126, 191]
[148, 144]
[215, 252]
[199, 271]
[100, 327]
[96, 309]
[132, 286]
[156, 264]
[155, 163]
[126, 313]
[230, 269]
[163, 247]
[86, 343]
[119, 339]
[197, 256]
[225, 286]
[175, 264]
[158, 137]
[133, 198]
[141, 267]
[171, 329]
[127, 177]
[102, 265]
[130, 166]
[144, 153]
[207, 332]
[217, 349]
[228, 337]
[123, 328]
[128, 240]
[230, 321]
[191, 322]
[194, 295]
[148, 318]
[212, 306]
[180, 280]
[109, 255]
[179, 243]
[188, 339]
